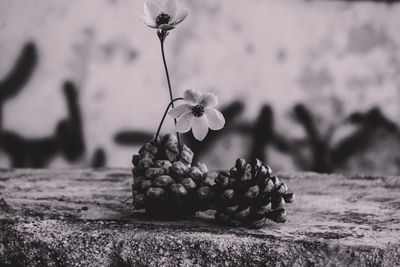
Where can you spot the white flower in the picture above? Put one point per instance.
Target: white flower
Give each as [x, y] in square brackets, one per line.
[197, 114]
[165, 16]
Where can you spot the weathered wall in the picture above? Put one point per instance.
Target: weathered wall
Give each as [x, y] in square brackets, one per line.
[319, 81]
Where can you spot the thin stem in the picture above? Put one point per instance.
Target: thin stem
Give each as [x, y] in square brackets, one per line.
[162, 37]
[163, 118]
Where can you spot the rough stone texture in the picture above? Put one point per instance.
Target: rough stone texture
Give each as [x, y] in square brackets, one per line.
[335, 57]
[78, 218]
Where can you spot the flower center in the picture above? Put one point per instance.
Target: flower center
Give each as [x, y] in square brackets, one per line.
[163, 19]
[198, 111]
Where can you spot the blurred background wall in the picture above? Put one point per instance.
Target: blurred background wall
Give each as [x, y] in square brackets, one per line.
[304, 85]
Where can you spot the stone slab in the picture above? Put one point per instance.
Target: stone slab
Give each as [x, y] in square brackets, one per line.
[78, 217]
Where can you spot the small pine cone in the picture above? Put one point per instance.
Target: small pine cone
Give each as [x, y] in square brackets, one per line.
[165, 183]
[248, 194]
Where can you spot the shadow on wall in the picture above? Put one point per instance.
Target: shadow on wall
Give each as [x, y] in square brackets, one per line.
[317, 152]
[323, 157]
[67, 139]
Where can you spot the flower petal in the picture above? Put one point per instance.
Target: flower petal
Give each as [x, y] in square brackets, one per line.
[192, 96]
[147, 21]
[180, 16]
[151, 10]
[184, 122]
[215, 119]
[166, 27]
[178, 111]
[171, 7]
[208, 100]
[200, 127]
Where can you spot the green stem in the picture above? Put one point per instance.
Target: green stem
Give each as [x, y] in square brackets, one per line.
[162, 37]
[163, 118]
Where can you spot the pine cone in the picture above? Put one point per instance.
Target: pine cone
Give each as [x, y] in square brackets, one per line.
[247, 195]
[165, 182]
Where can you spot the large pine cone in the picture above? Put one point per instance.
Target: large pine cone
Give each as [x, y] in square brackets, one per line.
[247, 195]
[165, 182]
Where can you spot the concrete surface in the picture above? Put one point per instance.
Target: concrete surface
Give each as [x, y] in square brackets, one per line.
[77, 218]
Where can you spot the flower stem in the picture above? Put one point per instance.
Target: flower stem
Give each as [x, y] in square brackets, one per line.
[163, 118]
[162, 37]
